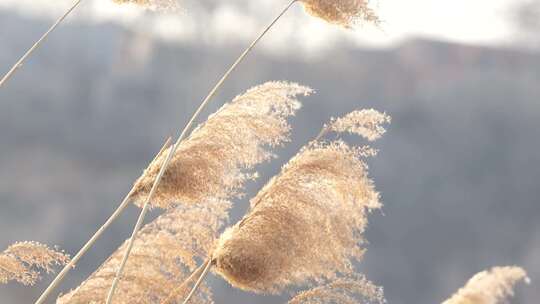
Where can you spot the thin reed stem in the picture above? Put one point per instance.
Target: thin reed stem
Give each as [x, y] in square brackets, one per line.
[230, 70]
[137, 227]
[199, 281]
[195, 273]
[20, 62]
[322, 134]
[92, 240]
[173, 150]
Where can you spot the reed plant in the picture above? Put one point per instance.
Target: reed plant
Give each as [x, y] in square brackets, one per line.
[304, 229]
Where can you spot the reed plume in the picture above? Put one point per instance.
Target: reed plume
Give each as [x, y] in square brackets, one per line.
[346, 13]
[489, 287]
[138, 2]
[159, 5]
[218, 158]
[367, 123]
[165, 252]
[22, 262]
[347, 290]
[305, 225]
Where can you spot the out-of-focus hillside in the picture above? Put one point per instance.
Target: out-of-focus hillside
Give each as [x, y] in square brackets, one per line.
[458, 170]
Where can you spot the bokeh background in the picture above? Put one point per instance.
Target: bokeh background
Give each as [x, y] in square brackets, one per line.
[459, 168]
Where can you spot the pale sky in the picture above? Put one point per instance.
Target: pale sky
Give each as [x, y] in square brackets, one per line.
[230, 21]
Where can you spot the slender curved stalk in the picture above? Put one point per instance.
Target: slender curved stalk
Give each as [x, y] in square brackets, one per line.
[93, 239]
[199, 281]
[322, 134]
[137, 228]
[230, 70]
[20, 62]
[182, 136]
[195, 273]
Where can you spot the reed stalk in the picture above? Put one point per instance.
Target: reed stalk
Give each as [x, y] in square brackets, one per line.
[91, 241]
[207, 267]
[20, 62]
[138, 227]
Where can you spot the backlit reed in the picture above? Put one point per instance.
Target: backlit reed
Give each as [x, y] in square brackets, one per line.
[306, 225]
[218, 158]
[489, 287]
[165, 252]
[22, 262]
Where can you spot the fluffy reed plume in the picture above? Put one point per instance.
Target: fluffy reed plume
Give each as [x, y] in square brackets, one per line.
[489, 287]
[342, 291]
[346, 13]
[160, 5]
[165, 252]
[367, 123]
[22, 262]
[305, 225]
[215, 160]
[138, 2]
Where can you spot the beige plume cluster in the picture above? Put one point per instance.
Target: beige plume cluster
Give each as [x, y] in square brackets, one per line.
[342, 291]
[367, 123]
[22, 262]
[346, 13]
[159, 5]
[165, 252]
[216, 160]
[304, 226]
[489, 287]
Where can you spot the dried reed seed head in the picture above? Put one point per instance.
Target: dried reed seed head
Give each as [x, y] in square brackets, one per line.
[349, 290]
[218, 158]
[22, 262]
[367, 123]
[346, 13]
[158, 5]
[305, 225]
[490, 287]
[165, 252]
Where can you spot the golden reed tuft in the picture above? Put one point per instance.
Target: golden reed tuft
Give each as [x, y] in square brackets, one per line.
[367, 123]
[158, 5]
[22, 262]
[346, 13]
[165, 252]
[342, 291]
[489, 287]
[215, 161]
[305, 225]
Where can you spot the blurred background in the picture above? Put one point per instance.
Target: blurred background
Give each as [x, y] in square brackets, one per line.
[458, 169]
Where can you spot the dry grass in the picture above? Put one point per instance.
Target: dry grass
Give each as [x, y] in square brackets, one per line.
[164, 254]
[160, 5]
[342, 291]
[366, 123]
[304, 228]
[218, 158]
[346, 13]
[22, 262]
[489, 287]
[305, 225]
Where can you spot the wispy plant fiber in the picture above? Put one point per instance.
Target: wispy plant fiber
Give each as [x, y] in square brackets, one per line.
[160, 5]
[351, 290]
[23, 261]
[216, 160]
[346, 13]
[489, 287]
[368, 123]
[305, 225]
[165, 252]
